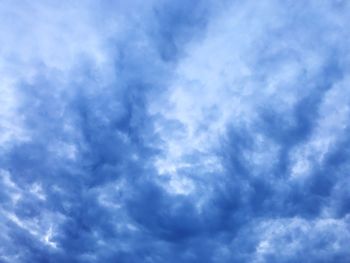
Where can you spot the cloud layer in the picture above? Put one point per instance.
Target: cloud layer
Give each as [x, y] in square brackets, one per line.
[174, 131]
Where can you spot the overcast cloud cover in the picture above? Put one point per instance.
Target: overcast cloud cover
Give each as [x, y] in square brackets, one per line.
[175, 131]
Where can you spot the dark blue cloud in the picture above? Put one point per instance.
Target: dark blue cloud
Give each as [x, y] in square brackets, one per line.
[175, 132]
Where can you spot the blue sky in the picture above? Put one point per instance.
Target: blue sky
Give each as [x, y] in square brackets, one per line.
[174, 131]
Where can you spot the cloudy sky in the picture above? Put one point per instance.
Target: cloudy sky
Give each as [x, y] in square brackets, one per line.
[174, 131]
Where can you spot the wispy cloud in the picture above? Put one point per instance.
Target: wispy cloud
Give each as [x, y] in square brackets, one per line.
[161, 131]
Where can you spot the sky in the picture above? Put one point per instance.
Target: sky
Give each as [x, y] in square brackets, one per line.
[174, 131]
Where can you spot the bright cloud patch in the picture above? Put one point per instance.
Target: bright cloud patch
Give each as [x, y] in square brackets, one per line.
[174, 131]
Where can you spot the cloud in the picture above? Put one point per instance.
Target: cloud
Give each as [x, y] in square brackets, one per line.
[177, 132]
